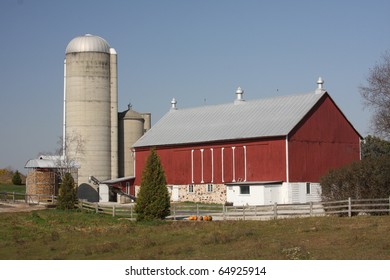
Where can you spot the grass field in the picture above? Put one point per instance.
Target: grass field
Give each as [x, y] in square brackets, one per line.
[12, 188]
[52, 234]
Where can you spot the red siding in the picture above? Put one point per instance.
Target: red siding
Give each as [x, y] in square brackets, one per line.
[322, 141]
[259, 160]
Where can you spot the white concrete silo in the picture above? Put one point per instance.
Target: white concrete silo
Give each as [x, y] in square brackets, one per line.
[90, 109]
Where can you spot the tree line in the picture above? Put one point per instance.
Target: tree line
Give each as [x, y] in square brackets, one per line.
[369, 177]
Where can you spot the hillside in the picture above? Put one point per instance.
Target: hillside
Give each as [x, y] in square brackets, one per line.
[6, 176]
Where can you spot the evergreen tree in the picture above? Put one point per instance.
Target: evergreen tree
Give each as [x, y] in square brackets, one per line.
[67, 197]
[153, 201]
[16, 179]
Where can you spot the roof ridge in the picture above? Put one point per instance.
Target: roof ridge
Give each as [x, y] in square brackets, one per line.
[246, 101]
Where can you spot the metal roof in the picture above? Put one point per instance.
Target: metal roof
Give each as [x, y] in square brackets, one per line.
[50, 162]
[118, 180]
[88, 43]
[41, 163]
[268, 117]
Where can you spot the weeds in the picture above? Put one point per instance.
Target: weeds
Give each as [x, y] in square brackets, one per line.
[296, 253]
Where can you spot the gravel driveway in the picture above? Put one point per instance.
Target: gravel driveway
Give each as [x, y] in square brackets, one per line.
[19, 207]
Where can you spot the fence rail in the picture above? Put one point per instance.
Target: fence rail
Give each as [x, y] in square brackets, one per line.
[348, 207]
[180, 211]
[116, 210]
[13, 197]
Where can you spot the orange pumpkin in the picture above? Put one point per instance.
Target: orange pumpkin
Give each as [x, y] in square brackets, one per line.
[200, 218]
[205, 218]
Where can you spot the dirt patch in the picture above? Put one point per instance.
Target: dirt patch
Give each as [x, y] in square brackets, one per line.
[19, 207]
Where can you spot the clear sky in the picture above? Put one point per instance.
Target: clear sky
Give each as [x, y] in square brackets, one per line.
[198, 52]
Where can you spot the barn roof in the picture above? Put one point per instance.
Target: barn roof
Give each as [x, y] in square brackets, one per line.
[267, 117]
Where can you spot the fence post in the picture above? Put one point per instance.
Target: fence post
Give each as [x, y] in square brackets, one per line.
[255, 210]
[311, 208]
[275, 210]
[131, 211]
[13, 197]
[174, 211]
[197, 210]
[39, 199]
[389, 205]
[349, 207]
[243, 211]
[97, 207]
[224, 210]
[113, 210]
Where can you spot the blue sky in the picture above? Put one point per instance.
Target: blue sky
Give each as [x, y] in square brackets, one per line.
[196, 51]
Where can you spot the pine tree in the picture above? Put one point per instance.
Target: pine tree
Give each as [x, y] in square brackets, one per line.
[16, 179]
[153, 201]
[67, 197]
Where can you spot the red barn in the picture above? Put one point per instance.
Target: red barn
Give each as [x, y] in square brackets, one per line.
[251, 152]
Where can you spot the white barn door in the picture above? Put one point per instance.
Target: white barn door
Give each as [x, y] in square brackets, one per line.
[271, 194]
[175, 193]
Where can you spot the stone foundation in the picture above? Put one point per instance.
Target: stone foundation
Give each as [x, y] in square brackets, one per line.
[202, 194]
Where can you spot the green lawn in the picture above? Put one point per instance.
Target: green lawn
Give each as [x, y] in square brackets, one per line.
[53, 234]
[13, 188]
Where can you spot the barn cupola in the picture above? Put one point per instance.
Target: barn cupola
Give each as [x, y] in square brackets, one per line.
[320, 86]
[173, 104]
[239, 96]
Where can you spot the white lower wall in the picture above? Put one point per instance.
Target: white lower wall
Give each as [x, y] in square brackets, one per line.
[286, 193]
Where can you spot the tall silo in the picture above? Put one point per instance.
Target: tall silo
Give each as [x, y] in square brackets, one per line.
[90, 101]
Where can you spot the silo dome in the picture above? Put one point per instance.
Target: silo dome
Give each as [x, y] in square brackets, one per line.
[88, 43]
[132, 115]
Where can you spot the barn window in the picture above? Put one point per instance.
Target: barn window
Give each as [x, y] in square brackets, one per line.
[308, 188]
[191, 188]
[210, 188]
[244, 190]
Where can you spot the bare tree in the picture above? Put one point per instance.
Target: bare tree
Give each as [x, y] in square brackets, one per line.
[70, 151]
[376, 95]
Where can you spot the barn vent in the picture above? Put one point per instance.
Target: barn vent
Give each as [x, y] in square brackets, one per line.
[320, 86]
[239, 96]
[173, 104]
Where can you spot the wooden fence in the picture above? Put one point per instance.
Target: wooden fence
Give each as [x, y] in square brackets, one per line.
[179, 211]
[349, 207]
[116, 210]
[13, 197]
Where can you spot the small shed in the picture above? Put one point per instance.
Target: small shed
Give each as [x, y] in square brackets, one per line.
[44, 175]
[120, 190]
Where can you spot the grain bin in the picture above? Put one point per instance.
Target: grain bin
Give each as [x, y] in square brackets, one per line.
[131, 128]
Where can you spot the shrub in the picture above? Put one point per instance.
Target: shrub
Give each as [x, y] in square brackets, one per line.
[368, 178]
[67, 197]
[153, 201]
[16, 178]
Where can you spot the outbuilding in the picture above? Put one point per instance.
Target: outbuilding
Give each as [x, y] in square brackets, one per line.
[251, 152]
[44, 175]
